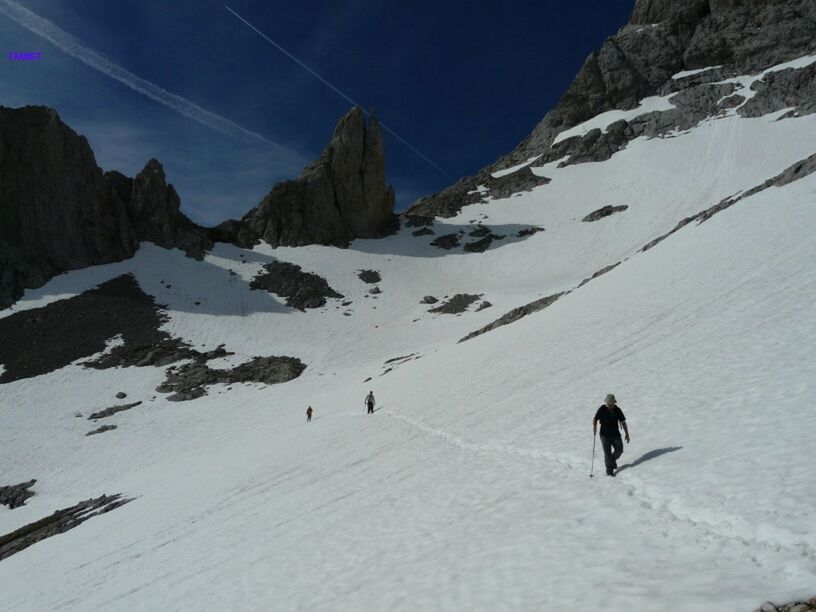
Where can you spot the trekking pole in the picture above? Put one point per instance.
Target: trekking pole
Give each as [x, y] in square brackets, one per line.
[592, 468]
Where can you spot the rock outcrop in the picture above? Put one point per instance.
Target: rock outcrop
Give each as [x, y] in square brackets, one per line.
[458, 304]
[59, 211]
[603, 212]
[154, 211]
[301, 289]
[15, 496]
[341, 196]
[59, 522]
[514, 315]
[663, 38]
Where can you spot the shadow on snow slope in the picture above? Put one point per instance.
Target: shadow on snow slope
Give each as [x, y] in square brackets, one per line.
[652, 454]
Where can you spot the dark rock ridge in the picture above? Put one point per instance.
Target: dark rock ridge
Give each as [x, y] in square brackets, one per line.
[101, 429]
[395, 359]
[514, 315]
[341, 196]
[59, 211]
[108, 412]
[458, 304]
[467, 191]
[189, 381]
[15, 496]
[301, 289]
[663, 38]
[59, 522]
[602, 212]
[600, 272]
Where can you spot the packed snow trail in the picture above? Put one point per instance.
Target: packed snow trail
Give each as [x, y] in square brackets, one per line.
[645, 495]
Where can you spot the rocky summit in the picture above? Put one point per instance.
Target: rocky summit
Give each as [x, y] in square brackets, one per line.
[59, 211]
[686, 53]
[341, 196]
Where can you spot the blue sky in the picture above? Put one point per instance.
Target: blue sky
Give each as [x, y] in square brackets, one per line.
[463, 82]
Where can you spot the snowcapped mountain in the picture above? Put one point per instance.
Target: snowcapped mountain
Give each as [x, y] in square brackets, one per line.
[651, 238]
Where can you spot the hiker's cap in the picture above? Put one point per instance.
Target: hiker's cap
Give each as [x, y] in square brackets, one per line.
[610, 399]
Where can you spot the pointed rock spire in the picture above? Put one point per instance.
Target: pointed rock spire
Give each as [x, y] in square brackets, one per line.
[341, 196]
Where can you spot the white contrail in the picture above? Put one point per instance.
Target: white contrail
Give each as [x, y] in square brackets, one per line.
[336, 90]
[75, 48]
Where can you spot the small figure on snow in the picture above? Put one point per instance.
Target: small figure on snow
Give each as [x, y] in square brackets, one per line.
[612, 419]
[369, 402]
[309, 412]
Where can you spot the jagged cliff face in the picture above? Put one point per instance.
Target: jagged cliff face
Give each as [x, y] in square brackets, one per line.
[59, 211]
[154, 210]
[662, 39]
[341, 196]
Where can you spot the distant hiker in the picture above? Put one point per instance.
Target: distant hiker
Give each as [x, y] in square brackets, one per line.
[369, 402]
[309, 414]
[611, 418]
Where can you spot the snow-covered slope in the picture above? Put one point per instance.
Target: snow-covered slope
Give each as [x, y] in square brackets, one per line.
[468, 488]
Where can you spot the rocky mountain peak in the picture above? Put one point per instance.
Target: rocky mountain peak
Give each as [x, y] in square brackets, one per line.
[59, 211]
[348, 138]
[155, 211]
[664, 38]
[647, 12]
[340, 196]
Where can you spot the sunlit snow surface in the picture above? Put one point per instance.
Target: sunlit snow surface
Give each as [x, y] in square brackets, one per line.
[687, 73]
[604, 120]
[468, 489]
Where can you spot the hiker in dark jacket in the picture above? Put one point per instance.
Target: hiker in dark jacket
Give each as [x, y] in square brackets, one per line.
[309, 414]
[369, 402]
[612, 419]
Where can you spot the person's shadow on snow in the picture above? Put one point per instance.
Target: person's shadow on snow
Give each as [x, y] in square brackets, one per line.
[650, 455]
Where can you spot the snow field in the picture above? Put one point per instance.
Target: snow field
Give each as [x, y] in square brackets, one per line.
[468, 489]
